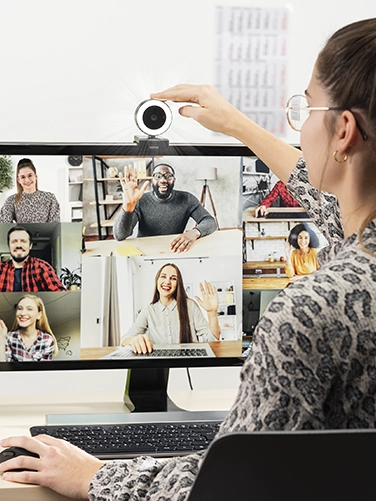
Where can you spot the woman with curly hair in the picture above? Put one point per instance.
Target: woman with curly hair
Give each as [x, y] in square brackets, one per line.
[301, 251]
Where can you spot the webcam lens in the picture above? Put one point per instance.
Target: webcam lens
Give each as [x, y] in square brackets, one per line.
[154, 117]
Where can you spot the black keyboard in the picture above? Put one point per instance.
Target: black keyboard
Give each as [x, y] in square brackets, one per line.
[130, 440]
[187, 352]
[287, 215]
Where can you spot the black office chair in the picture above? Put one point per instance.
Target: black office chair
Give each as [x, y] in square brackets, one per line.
[289, 466]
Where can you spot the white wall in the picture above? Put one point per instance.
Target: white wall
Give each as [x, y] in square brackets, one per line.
[76, 70]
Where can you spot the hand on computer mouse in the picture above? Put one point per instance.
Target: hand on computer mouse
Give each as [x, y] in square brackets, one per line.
[14, 452]
[58, 461]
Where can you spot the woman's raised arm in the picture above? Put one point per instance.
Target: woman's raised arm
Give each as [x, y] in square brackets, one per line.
[210, 109]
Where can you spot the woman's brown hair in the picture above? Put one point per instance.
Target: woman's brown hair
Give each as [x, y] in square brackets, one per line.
[182, 303]
[22, 164]
[346, 68]
[42, 324]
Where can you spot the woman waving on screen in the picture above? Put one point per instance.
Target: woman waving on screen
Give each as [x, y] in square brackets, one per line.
[172, 317]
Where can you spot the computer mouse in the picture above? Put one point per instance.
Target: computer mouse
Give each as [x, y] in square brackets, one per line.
[13, 452]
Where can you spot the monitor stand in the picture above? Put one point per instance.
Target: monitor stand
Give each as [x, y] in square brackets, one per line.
[146, 391]
[145, 400]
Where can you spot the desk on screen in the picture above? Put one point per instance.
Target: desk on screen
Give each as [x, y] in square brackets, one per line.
[221, 242]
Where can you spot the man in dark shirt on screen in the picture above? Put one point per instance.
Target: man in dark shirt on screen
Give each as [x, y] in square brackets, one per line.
[23, 272]
[161, 211]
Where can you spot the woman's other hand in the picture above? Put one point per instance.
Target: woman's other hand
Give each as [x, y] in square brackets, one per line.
[288, 251]
[3, 337]
[209, 301]
[141, 344]
[3, 330]
[61, 466]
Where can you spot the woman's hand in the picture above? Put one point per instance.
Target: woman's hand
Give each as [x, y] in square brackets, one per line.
[131, 192]
[3, 338]
[61, 466]
[288, 251]
[141, 344]
[209, 301]
[3, 330]
[213, 111]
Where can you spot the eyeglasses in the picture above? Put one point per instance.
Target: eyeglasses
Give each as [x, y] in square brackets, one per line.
[297, 112]
[158, 176]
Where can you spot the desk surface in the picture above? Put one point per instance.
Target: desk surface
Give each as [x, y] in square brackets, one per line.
[15, 421]
[263, 283]
[220, 349]
[219, 243]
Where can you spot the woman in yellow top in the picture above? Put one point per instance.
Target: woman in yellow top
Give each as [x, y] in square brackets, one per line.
[301, 251]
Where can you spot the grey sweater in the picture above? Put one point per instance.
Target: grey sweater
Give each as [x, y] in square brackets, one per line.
[37, 207]
[164, 217]
[312, 365]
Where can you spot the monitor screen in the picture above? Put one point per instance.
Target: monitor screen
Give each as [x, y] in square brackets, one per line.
[89, 277]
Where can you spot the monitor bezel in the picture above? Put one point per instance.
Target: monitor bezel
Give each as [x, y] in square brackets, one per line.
[122, 149]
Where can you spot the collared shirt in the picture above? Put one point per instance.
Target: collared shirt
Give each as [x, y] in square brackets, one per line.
[37, 275]
[16, 351]
[279, 190]
[162, 325]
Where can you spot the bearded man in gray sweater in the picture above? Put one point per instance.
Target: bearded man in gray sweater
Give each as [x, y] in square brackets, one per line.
[161, 211]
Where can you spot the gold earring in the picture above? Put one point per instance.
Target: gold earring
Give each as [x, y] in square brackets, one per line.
[336, 159]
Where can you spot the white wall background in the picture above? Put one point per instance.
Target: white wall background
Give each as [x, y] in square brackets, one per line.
[76, 70]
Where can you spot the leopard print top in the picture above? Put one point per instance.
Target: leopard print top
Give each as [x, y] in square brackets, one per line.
[313, 363]
[37, 207]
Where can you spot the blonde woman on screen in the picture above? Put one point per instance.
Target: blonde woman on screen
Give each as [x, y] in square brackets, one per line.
[30, 337]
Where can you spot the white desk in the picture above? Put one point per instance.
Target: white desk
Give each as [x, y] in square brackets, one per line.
[19, 413]
[219, 243]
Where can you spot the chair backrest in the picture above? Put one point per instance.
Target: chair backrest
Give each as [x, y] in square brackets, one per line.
[289, 466]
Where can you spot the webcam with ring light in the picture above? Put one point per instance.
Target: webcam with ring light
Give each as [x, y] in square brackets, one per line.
[153, 118]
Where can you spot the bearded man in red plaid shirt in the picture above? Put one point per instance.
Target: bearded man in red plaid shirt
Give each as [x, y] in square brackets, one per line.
[24, 272]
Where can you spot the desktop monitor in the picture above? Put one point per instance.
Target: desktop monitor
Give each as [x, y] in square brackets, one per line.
[109, 286]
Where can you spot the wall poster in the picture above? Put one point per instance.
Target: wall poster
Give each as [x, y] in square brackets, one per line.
[251, 62]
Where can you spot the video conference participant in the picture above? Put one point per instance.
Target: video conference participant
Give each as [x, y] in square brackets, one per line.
[300, 373]
[30, 337]
[301, 251]
[172, 317]
[29, 205]
[24, 272]
[162, 211]
[279, 190]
